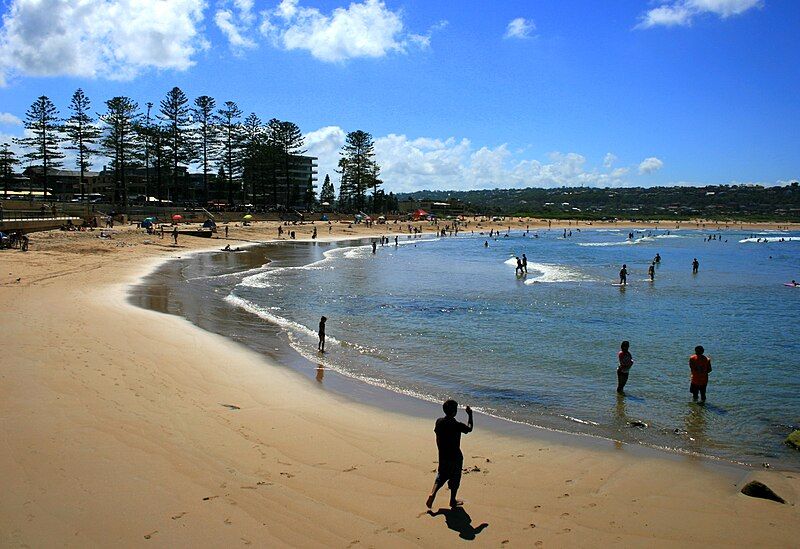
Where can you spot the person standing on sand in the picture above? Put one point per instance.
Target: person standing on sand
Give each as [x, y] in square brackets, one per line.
[321, 345]
[700, 365]
[175, 236]
[448, 441]
[226, 231]
[695, 266]
[623, 274]
[625, 364]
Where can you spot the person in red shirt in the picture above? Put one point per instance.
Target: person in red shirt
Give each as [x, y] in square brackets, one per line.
[625, 364]
[700, 365]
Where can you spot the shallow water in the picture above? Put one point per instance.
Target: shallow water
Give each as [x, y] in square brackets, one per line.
[447, 317]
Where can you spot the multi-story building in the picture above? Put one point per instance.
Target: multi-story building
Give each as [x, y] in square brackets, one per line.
[62, 184]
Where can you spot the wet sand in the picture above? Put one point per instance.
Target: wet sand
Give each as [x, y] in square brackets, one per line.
[125, 426]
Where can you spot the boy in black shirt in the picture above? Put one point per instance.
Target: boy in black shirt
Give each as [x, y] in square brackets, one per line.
[448, 440]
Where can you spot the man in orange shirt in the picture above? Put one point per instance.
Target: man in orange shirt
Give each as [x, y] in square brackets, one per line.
[700, 365]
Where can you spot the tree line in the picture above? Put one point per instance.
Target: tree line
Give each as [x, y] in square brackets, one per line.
[753, 202]
[241, 158]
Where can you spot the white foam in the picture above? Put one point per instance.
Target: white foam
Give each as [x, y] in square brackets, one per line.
[555, 273]
[770, 239]
[643, 240]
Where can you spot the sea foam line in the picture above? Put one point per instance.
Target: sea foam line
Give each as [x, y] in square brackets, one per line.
[769, 239]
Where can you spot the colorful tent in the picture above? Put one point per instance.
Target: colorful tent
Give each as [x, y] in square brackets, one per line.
[419, 214]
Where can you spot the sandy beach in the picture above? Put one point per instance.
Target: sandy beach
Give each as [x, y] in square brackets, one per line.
[126, 427]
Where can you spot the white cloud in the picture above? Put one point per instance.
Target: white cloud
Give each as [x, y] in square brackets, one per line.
[116, 39]
[236, 23]
[410, 164]
[682, 12]
[650, 165]
[325, 144]
[226, 22]
[609, 159]
[367, 29]
[8, 119]
[520, 28]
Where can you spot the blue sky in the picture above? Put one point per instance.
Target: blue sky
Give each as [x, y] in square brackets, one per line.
[468, 94]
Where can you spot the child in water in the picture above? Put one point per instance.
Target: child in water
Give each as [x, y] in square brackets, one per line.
[321, 345]
[625, 364]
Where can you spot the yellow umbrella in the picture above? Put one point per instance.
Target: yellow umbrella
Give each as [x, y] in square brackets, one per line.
[248, 216]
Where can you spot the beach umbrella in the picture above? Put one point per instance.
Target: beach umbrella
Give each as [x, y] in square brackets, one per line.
[150, 219]
[248, 216]
[177, 217]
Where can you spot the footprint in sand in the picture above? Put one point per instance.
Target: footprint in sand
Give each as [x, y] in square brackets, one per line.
[151, 534]
[350, 470]
[179, 515]
[288, 475]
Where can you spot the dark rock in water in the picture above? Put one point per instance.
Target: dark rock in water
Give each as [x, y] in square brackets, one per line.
[756, 489]
[793, 440]
[637, 423]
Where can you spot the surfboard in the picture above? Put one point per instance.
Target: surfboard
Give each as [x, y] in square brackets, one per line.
[790, 285]
[617, 284]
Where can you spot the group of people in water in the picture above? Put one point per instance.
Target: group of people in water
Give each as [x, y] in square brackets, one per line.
[699, 368]
[651, 269]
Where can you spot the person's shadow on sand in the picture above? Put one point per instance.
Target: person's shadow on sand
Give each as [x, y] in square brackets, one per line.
[457, 519]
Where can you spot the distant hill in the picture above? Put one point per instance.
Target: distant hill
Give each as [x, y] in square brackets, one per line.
[713, 202]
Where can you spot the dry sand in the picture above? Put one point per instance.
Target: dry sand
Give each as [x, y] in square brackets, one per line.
[115, 433]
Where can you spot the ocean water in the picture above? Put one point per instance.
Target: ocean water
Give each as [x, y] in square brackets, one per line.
[448, 317]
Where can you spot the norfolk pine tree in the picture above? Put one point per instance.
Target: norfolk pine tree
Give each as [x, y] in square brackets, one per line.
[205, 133]
[175, 113]
[229, 144]
[82, 133]
[7, 162]
[43, 145]
[327, 193]
[120, 142]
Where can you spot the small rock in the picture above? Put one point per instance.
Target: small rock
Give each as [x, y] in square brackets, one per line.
[637, 423]
[756, 489]
[793, 440]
